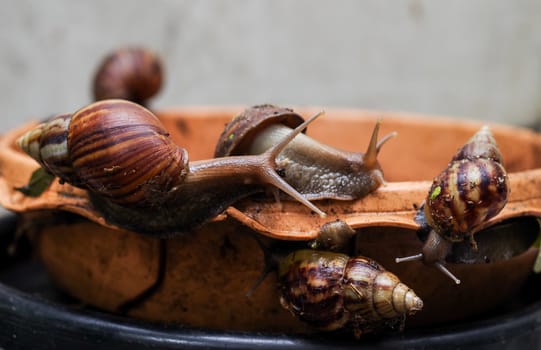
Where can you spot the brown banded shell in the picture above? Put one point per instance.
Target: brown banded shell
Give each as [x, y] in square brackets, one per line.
[47, 144]
[316, 170]
[134, 74]
[238, 133]
[330, 291]
[127, 156]
[481, 145]
[472, 189]
[120, 152]
[465, 195]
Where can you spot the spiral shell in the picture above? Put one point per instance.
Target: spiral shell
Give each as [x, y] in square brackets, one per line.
[316, 170]
[114, 148]
[237, 134]
[472, 189]
[47, 144]
[330, 291]
[134, 74]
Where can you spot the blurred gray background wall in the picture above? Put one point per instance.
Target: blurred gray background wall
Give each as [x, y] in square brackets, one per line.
[467, 58]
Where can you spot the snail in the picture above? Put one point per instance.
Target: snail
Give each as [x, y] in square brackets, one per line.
[332, 291]
[472, 189]
[138, 178]
[335, 236]
[316, 170]
[134, 74]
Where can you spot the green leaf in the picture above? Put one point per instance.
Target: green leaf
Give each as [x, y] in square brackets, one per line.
[39, 182]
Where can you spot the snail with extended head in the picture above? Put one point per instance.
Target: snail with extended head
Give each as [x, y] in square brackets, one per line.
[314, 169]
[472, 189]
[138, 178]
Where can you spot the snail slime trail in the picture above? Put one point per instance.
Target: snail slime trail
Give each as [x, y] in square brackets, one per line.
[139, 179]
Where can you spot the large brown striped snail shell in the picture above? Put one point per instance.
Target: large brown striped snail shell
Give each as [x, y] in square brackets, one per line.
[316, 170]
[331, 291]
[125, 156]
[138, 178]
[132, 73]
[472, 189]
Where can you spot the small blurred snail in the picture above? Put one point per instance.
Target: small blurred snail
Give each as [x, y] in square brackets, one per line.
[131, 73]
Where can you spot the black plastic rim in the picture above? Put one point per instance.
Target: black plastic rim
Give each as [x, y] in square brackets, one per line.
[30, 322]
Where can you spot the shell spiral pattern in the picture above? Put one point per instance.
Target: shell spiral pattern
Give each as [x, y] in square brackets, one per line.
[134, 74]
[472, 189]
[115, 148]
[330, 291]
[138, 178]
[316, 170]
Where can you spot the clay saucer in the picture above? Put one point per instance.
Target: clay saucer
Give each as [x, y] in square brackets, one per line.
[201, 279]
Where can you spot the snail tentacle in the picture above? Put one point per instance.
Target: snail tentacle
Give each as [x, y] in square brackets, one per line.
[315, 170]
[269, 173]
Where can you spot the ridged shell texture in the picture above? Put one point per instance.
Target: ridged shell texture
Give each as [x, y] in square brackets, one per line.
[330, 291]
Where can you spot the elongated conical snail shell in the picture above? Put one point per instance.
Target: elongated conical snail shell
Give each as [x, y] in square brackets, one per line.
[330, 291]
[472, 189]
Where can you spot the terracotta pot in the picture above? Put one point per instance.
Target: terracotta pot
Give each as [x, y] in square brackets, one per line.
[201, 279]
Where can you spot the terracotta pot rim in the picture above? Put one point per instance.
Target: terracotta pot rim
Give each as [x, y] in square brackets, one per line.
[526, 202]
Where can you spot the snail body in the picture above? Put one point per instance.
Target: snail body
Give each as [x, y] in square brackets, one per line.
[316, 170]
[137, 177]
[472, 189]
[331, 291]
